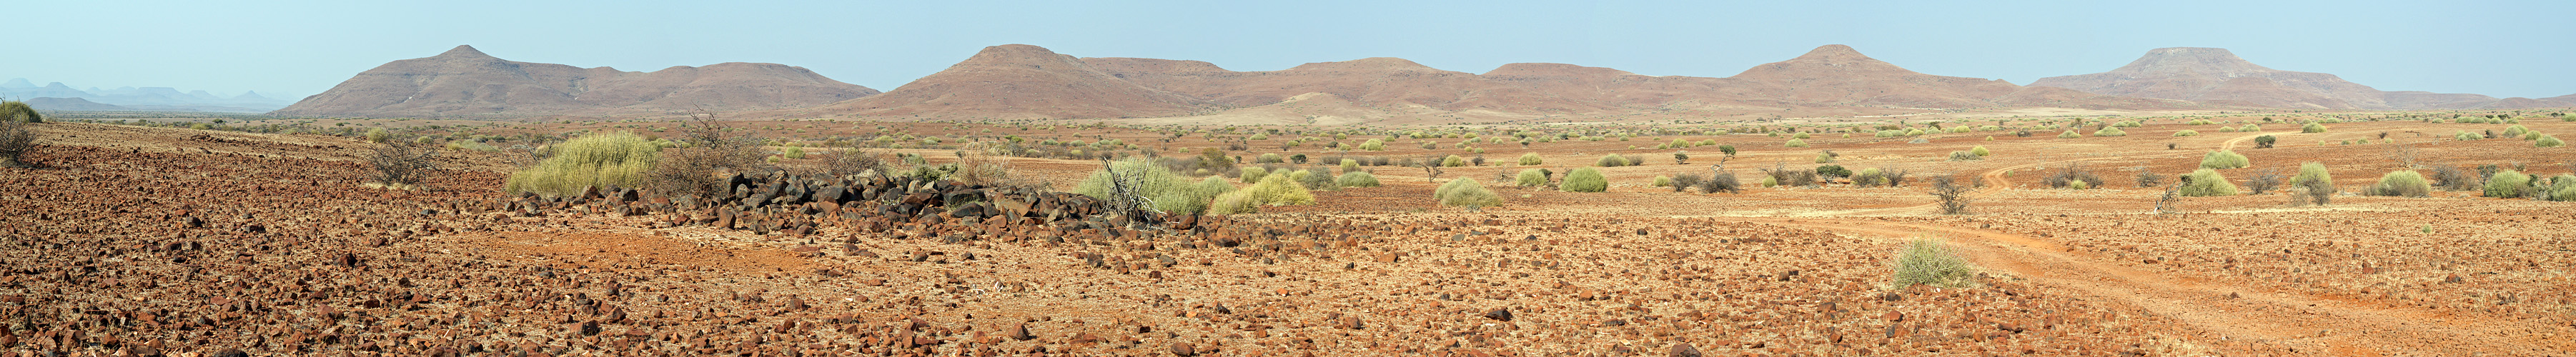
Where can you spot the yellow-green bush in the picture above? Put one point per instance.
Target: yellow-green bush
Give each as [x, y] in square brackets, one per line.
[1453, 161]
[2207, 183]
[1980, 150]
[1585, 180]
[1357, 179]
[1531, 159]
[2507, 184]
[618, 158]
[1252, 174]
[1466, 193]
[1266, 193]
[2223, 159]
[1530, 178]
[1796, 143]
[2402, 183]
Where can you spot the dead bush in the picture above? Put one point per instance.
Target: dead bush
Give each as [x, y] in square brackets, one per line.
[2148, 178]
[2452, 178]
[1721, 181]
[711, 149]
[854, 160]
[2070, 176]
[2263, 180]
[397, 164]
[15, 141]
[1953, 196]
[1783, 176]
[1683, 182]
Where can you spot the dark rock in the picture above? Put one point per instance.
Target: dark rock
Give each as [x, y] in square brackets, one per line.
[1499, 314]
[1685, 350]
[1184, 349]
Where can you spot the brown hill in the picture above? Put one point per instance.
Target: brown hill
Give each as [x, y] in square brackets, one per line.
[2217, 75]
[467, 82]
[1031, 82]
[1020, 81]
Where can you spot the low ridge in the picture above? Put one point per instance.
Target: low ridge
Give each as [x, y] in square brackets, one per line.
[465, 81]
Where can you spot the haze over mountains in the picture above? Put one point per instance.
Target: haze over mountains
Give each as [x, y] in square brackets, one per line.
[1030, 82]
[2215, 75]
[464, 82]
[59, 96]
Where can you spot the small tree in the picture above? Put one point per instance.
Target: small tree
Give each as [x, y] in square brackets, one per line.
[1728, 149]
[2148, 178]
[1953, 196]
[2264, 142]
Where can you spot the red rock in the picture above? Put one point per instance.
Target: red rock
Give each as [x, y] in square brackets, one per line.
[1021, 332]
[1184, 349]
[1087, 337]
[1685, 350]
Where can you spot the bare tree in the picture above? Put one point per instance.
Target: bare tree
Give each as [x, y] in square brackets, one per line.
[398, 164]
[2405, 155]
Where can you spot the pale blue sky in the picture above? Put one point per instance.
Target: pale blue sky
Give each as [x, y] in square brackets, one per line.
[296, 48]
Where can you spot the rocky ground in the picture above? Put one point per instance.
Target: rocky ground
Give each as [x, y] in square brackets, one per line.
[145, 241]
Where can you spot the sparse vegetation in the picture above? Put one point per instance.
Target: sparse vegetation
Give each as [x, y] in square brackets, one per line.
[399, 165]
[1356, 179]
[1252, 174]
[2453, 178]
[2186, 133]
[2074, 176]
[711, 148]
[1585, 180]
[17, 111]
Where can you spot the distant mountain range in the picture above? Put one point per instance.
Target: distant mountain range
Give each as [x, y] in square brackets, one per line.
[131, 98]
[2215, 75]
[1031, 82]
[465, 82]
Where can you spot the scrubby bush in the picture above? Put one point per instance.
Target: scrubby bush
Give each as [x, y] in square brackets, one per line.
[1252, 174]
[2312, 128]
[374, 135]
[15, 141]
[2206, 183]
[2223, 159]
[1170, 192]
[2507, 184]
[1660, 181]
[1875, 177]
[1356, 179]
[1374, 145]
[2110, 131]
[1466, 193]
[1272, 158]
[1728, 149]
[2072, 176]
[2069, 134]
[1314, 180]
[2263, 180]
[1796, 143]
[1681, 182]
[1951, 196]
[1617, 160]
[18, 111]
[1720, 182]
[2562, 188]
[1350, 166]
[2186, 133]
[793, 152]
[1780, 175]
[2264, 142]
[1585, 180]
[1924, 261]
[1965, 156]
[398, 165]
[1980, 150]
[1531, 159]
[2466, 136]
[2313, 175]
[1830, 172]
[2547, 141]
[1530, 178]
[1824, 158]
[596, 160]
[2453, 178]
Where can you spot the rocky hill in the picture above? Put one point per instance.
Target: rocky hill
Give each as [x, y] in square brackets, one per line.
[464, 82]
[2216, 75]
[1022, 81]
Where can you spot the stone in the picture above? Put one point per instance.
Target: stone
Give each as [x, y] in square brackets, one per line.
[1184, 349]
[1021, 332]
[1685, 350]
[1087, 337]
[1499, 315]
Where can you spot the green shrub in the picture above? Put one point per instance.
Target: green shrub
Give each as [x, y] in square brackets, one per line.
[1613, 160]
[1914, 132]
[2312, 128]
[2110, 131]
[2547, 141]
[2206, 183]
[2515, 131]
[2313, 175]
[1824, 158]
[1965, 156]
[2186, 133]
[1924, 261]
[471, 145]
[1356, 179]
[1661, 181]
[1374, 145]
[374, 135]
[595, 160]
[2562, 188]
[1531, 159]
[1350, 166]
[2228, 129]
[2223, 159]
[1271, 158]
[1530, 178]
[1466, 193]
[2507, 184]
[2466, 136]
[1585, 180]
[1796, 143]
[1266, 193]
[1316, 179]
[1252, 174]
[793, 152]
[1980, 150]
[1453, 161]
[1170, 192]
[20, 112]
[2069, 134]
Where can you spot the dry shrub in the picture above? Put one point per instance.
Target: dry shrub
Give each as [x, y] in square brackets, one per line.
[2071, 176]
[1721, 181]
[1683, 182]
[2263, 180]
[398, 165]
[15, 141]
[1924, 261]
[1953, 196]
[1781, 175]
[2451, 178]
[710, 150]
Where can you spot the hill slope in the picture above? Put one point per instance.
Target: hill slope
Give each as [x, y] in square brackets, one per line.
[2217, 75]
[466, 82]
[1019, 81]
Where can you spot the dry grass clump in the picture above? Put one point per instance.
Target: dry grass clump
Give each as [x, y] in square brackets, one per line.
[1925, 261]
[398, 165]
[596, 160]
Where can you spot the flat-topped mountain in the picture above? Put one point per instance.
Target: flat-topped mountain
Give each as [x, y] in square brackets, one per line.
[466, 82]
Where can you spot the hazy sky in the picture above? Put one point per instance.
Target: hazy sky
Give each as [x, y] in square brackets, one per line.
[289, 49]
